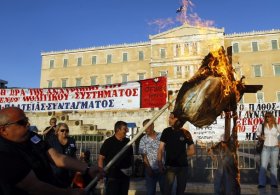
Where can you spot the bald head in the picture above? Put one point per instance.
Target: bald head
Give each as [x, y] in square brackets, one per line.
[13, 124]
[7, 113]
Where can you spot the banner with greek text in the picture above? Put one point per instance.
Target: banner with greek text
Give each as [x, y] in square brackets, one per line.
[249, 117]
[106, 97]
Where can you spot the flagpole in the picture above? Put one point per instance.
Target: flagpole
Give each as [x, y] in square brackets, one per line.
[118, 155]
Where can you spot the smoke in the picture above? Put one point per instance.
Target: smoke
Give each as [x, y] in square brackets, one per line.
[185, 15]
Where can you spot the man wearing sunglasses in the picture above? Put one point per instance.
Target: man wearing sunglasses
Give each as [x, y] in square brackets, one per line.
[24, 164]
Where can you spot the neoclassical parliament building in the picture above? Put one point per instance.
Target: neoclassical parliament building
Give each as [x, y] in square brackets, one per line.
[176, 53]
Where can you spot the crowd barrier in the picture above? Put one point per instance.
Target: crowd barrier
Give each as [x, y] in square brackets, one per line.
[247, 157]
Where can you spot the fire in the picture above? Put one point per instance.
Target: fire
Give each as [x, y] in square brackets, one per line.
[182, 16]
[221, 67]
[185, 15]
[162, 23]
[210, 91]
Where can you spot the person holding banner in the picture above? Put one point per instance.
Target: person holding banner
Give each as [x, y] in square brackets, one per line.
[173, 141]
[118, 176]
[25, 159]
[270, 150]
[148, 148]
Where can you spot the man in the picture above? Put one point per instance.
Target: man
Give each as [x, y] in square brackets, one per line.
[49, 132]
[117, 177]
[25, 159]
[149, 145]
[174, 141]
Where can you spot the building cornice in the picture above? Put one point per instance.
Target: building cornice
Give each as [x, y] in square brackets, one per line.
[186, 25]
[252, 33]
[117, 46]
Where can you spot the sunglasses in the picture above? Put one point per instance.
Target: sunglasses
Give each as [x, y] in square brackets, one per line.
[21, 122]
[63, 130]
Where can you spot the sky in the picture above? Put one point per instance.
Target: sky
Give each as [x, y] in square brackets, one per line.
[29, 27]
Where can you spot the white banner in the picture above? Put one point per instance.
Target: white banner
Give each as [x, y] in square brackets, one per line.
[118, 96]
[249, 117]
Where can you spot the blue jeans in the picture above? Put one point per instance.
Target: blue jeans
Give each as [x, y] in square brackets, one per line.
[269, 155]
[151, 182]
[181, 175]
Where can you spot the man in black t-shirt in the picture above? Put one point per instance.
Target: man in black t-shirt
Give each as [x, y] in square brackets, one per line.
[173, 142]
[25, 158]
[49, 132]
[117, 177]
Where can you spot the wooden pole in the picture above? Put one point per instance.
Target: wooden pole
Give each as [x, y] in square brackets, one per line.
[227, 125]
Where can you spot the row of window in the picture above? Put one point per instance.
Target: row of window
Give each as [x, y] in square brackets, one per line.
[186, 49]
[108, 80]
[93, 80]
[254, 46]
[94, 59]
[260, 97]
[189, 48]
[257, 70]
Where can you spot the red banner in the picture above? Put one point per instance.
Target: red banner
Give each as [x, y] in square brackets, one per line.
[153, 92]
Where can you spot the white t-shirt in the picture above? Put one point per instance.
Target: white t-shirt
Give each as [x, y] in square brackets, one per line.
[271, 135]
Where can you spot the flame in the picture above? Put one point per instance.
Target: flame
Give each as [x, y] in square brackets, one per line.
[192, 18]
[182, 17]
[186, 16]
[162, 23]
[220, 65]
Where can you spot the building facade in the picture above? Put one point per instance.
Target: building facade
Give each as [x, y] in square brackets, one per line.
[177, 54]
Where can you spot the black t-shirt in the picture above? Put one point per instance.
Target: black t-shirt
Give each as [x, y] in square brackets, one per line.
[175, 147]
[63, 175]
[68, 149]
[17, 160]
[50, 135]
[12, 171]
[109, 149]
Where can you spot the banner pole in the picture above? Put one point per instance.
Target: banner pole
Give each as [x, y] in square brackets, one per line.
[142, 129]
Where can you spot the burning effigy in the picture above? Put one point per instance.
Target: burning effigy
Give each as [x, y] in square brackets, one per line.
[212, 90]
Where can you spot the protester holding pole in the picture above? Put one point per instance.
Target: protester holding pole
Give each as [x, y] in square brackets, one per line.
[128, 145]
[118, 176]
[25, 159]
